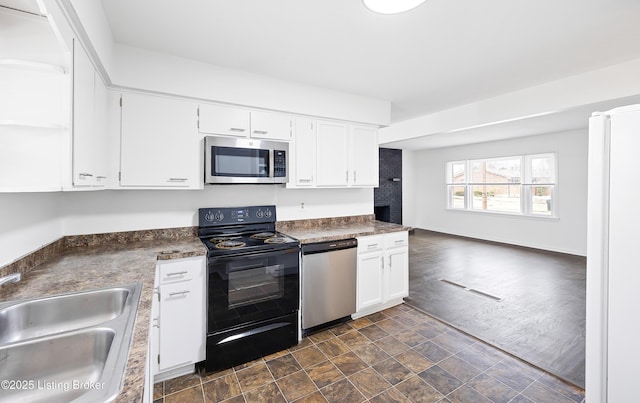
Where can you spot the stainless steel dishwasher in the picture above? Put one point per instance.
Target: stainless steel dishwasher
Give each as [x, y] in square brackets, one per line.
[328, 283]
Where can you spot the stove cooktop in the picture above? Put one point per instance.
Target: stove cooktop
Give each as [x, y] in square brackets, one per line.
[267, 240]
[226, 230]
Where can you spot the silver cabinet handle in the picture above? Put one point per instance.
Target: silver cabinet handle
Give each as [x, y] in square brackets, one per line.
[237, 129]
[172, 294]
[346, 175]
[260, 131]
[85, 175]
[400, 241]
[382, 262]
[178, 179]
[157, 324]
[354, 176]
[178, 273]
[373, 245]
[304, 180]
[101, 177]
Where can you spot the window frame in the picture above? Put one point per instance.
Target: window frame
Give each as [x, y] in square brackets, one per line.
[525, 184]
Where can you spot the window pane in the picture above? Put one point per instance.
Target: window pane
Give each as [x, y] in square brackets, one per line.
[455, 172]
[490, 197]
[456, 197]
[505, 170]
[542, 169]
[541, 200]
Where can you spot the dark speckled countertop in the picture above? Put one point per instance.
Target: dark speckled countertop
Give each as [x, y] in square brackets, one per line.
[78, 267]
[336, 228]
[86, 262]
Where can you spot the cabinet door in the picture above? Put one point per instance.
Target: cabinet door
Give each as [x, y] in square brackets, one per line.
[160, 144]
[332, 167]
[369, 289]
[177, 337]
[364, 156]
[85, 131]
[274, 126]
[305, 152]
[154, 329]
[101, 152]
[214, 119]
[397, 276]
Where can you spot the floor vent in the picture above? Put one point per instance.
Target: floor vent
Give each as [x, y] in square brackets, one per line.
[484, 294]
[464, 287]
[444, 280]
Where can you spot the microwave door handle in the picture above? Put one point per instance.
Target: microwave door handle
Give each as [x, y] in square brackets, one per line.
[271, 161]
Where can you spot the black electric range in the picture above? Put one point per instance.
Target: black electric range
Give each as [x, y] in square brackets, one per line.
[253, 293]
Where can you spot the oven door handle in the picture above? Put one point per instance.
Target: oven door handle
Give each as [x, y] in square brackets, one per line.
[248, 267]
[258, 254]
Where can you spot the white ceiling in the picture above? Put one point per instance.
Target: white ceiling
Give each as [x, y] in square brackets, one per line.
[442, 54]
[560, 121]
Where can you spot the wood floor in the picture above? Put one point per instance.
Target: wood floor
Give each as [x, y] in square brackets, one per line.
[527, 302]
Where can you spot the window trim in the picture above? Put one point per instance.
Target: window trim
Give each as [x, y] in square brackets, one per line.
[525, 184]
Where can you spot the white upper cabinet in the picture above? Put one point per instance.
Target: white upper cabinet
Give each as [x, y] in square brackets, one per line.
[228, 121]
[332, 154]
[214, 119]
[160, 144]
[272, 126]
[364, 156]
[89, 149]
[303, 157]
[346, 155]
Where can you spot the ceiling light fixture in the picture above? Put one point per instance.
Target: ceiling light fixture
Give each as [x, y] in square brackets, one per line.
[391, 6]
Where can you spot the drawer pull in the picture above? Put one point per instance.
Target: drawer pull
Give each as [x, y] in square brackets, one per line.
[178, 273]
[236, 129]
[173, 294]
[373, 245]
[400, 241]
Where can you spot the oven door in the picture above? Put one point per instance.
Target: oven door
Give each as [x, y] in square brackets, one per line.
[249, 288]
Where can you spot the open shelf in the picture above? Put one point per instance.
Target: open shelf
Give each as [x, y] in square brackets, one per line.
[31, 65]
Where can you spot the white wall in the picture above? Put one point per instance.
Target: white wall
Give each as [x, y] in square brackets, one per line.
[566, 234]
[127, 210]
[153, 71]
[28, 221]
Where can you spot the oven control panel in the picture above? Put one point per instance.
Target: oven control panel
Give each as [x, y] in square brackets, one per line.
[215, 216]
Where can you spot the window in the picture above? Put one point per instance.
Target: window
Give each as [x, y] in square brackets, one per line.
[522, 185]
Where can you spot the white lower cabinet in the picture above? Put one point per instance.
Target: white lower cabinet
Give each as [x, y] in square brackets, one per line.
[178, 321]
[383, 272]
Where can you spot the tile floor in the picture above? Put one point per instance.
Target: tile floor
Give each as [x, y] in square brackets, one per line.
[397, 355]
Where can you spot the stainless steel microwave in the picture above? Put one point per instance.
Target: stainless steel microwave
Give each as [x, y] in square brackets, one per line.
[243, 160]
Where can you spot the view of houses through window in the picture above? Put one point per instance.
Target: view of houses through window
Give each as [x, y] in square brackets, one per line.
[522, 184]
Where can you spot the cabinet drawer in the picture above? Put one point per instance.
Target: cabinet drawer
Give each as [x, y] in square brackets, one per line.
[396, 239]
[178, 270]
[370, 243]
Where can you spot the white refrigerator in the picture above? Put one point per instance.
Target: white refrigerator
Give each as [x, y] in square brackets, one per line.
[613, 257]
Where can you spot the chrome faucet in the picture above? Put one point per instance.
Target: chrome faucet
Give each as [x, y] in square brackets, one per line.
[11, 278]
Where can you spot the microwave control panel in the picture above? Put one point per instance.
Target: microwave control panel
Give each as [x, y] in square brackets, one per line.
[279, 163]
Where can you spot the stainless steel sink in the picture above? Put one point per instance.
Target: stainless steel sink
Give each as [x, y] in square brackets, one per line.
[67, 348]
[55, 366]
[40, 317]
